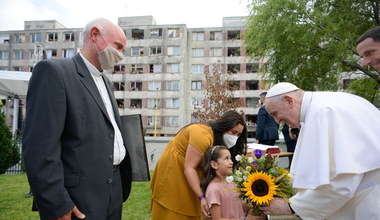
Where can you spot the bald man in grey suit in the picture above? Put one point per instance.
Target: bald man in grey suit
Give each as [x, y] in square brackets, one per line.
[75, 157]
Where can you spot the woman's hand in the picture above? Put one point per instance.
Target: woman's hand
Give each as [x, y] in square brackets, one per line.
[205, 209]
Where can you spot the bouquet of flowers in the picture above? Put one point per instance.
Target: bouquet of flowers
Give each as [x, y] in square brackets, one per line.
[259, 180]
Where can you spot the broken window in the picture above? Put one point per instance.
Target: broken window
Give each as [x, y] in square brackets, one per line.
[173, 32]
[216, 35]
[252, 67]
[52, 37]
[233, 35]
[119, 86]
[136, 103]
[69, 36]
[233, 51]
[137, 34]
[233, 68]
[155, 33]
[4, 38]
[252, 85]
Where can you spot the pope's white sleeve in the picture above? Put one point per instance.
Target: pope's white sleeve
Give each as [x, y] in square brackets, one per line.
[322, 202]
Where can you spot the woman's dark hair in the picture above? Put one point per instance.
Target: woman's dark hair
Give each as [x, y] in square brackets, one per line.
[212, 154]
[225, 123]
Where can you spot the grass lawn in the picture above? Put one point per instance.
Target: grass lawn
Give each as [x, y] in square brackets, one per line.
[14, 205]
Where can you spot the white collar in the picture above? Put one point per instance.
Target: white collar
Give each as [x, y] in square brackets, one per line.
[305, 105]
[93, 70]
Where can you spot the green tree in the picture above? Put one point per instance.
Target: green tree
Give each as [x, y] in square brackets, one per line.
[310, 42]
[219, 97]
[366, 88]
[9, 154]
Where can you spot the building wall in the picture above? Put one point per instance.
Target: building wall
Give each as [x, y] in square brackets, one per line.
[181, 48]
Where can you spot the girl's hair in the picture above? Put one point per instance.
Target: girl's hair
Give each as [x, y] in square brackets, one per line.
[225, 123]
[212, 154]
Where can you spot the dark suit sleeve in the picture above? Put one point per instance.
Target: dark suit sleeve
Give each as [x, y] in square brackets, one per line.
[44, 124]
[260, 124]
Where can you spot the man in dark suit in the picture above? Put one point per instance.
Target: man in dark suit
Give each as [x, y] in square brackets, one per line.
[266, 126]
[75, 158]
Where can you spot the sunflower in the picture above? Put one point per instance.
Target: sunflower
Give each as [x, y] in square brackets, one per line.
[260, 188]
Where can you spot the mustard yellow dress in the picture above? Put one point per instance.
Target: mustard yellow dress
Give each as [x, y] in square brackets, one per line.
[172, 197]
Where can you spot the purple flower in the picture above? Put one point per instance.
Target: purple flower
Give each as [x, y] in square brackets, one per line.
[258, 153]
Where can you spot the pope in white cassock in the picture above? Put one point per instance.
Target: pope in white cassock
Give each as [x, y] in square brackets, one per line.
[336, 166]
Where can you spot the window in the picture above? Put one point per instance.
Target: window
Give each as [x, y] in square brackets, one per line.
[155, 33]
[153, 102]
[120, 103]
[51, 53]
[252, 67]
[173, 32]
[137, 68]
[119, 69]
[197, 102]
[155, 50]
[67, 53]
[19, 38]
[136, 86]
[252, 102]
[52, 37]
[172, 85]
[233, 68]
[119, 86]
[198, 36]
[136, 103]
[17, 68]
[4, 38]
[174, 51]
[172, 121]
[4, 55]
[137, 34]
[19, 54]
[233, 51]
[233, 35]
[235, 85]
[216, 52]
[172, 103]
[4, 68]
[137, 51]
[196, 85]
[68, 36]
[154, 86]
[36, 38]
[155, 68]
[252, 85]
[197, 52]
[216, 35]
[173, 67]
[197, 69]
[151, 121]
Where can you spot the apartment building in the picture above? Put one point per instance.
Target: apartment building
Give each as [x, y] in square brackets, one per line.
[162, 74]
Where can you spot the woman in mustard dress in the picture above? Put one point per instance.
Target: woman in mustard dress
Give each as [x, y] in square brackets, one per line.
[176, 191]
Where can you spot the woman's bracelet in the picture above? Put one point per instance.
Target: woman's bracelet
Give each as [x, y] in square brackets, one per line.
[201, 197]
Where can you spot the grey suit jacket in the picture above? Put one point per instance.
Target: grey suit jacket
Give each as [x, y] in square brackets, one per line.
[68, 140]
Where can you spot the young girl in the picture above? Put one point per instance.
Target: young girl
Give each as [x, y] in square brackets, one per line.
[222, 199]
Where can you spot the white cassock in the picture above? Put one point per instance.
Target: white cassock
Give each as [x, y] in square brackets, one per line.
[336, 164]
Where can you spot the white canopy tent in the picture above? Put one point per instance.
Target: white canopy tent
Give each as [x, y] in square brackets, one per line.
[14, 83]
[13, 86]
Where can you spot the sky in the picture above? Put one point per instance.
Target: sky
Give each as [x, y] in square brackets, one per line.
[76, 13]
